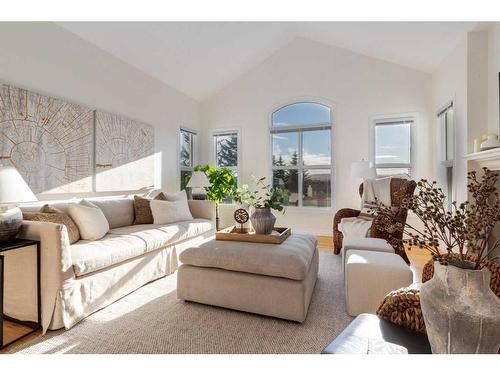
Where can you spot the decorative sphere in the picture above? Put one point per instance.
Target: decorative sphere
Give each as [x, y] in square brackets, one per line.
[241, 215]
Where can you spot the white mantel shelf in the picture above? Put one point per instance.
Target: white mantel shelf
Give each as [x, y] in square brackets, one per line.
[489, 158]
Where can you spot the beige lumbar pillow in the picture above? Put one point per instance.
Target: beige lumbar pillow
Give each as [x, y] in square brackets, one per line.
[165, 212]
[90, 220]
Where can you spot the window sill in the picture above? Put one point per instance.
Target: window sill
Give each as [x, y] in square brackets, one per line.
[312, 210]
[316, 210]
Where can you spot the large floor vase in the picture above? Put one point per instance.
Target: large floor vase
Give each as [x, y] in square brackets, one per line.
[461, 313]
[263, 220]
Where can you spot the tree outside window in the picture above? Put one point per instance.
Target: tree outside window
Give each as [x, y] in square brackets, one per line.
[226, 146]
[187, 139]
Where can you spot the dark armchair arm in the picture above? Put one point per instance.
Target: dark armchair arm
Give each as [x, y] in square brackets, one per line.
[395, 238]
[337, 235]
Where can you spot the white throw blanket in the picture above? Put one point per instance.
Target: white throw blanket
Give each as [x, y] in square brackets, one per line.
[373, 189]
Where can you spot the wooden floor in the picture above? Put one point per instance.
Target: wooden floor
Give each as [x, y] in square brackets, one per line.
[417, 257]
[13, 330]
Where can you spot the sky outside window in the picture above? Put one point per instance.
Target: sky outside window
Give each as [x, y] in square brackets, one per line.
[301, 113]
[392, 144]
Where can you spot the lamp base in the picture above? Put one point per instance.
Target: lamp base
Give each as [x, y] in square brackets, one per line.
[11, 220]
[199, 196]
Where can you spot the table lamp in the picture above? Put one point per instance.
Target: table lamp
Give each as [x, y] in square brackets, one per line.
[13, 190]
[362, 169]
[198, 180]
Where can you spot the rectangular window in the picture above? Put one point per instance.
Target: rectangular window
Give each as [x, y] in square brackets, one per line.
[226, 148]
[393, 139]
[187, 144]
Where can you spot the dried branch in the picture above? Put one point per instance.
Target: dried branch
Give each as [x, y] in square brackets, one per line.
[462, 229]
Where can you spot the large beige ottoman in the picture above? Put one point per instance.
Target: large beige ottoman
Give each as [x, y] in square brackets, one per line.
[370, 276]
[266, 279]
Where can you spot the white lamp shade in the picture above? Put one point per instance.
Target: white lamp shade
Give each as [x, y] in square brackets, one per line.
[13, 188]
[362, 169]
[198, 179]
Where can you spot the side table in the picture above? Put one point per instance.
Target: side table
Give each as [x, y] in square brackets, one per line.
[12, 245]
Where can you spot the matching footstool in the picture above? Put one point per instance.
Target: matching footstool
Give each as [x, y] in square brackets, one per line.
[370, 276]
[266, 279]
[364, 243]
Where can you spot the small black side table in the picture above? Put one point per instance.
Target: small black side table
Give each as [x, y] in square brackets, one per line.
[15, 244]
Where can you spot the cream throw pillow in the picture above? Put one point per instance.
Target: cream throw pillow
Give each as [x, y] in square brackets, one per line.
[175, 197]
[165, 212]
[172, 197]
[90, 220]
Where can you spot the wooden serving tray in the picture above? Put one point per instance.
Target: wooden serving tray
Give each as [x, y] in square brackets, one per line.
[278, 235]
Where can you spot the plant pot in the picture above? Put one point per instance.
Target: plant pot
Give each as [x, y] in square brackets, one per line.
[461, 313]
[263, 220]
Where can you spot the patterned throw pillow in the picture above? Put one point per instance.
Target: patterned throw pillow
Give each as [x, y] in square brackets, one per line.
[402, 307]
[142, 208]
[53, 215]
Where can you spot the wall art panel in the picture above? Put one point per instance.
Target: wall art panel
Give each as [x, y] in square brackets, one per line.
[49, 140]
[124, 153]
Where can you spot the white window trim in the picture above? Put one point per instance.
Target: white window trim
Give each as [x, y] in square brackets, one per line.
[393, 118]
[194, 151]
[297, 128]
[214, 147]
[453, 163]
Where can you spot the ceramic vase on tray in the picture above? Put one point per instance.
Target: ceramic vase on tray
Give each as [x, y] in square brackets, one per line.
[263, 220]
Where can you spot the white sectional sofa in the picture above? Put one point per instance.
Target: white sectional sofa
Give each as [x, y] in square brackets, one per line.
[82, 278]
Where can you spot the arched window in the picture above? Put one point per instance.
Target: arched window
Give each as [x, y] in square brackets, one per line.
[302, 153]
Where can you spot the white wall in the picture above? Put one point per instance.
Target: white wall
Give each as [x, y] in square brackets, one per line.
[477, 86]
[49, 59]
[493, 70]
[357, 86]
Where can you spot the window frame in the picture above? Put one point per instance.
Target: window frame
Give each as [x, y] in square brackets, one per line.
[447, 167]
[300, 129]
[386, 121]
[194, 154]
[226, 132]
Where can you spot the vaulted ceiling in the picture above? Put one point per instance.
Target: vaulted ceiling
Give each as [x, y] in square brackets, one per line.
[199, 58]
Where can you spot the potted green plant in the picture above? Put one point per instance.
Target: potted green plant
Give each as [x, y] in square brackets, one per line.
[222, 185]
[263, 200]
[461, 313]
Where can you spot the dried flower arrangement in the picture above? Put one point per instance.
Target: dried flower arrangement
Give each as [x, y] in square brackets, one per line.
[458, 235]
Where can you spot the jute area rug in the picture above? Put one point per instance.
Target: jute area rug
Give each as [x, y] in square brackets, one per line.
[152, 320]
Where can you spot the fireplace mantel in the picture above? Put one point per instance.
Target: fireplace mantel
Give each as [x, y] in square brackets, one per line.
[489, 159]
